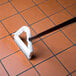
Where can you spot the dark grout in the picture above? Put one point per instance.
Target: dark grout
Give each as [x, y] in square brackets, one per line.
[4, 68]
[46, 44]
[24, 71]
[47, 59]
[9, 55]
[3, 3]
[63, 7]
[71, 73]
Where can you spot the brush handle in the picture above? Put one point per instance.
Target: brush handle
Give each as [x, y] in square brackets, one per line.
[53, 28]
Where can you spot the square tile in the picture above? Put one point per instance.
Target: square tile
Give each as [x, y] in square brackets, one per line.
[67, 3]
[3, 32]
[2, 71]
[22, 4]
[42, 26]
[72, 10]
[60, 17]
[41, 52]
[51, 67]
[18, 62]
[68, 58]
[6, 10]
[14, 23]
[32, 15]
[30, 72]
[57, 42]
[50, 7]
[3, 1]
[70, 31]
[7, 46]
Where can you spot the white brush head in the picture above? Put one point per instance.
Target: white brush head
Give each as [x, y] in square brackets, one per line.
[26, 49]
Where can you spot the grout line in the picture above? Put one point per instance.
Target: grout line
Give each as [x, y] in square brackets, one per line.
[7, 30]
[30, 26]
[46, 59]
[65, 50]
[33, 30]
[55, 55]
[64, 7]
[72, 72]
[4, 68]
[24, 71]
[9, 17]
[3, 3]
[18, 12]
[9, 55]
[4, 37]
[45, 43]
[40, 19]
[32, 6]
[50, 20]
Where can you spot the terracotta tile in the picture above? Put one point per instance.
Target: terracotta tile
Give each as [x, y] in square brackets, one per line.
[74, 74]
[42, 26]
[6, 10]
[3, 1]
[14, 23]
[70, 31]
[39, 1]
[68, 58]
[60, 17]
[2, 71]
[51, 67]
[41, 52]
[67, 3]
[32, 15]
[30, 72]
[72, 10]
[18, 62]
[22, 4]
[3, 32]
[50, 7]
[57, 42]
[7, 46]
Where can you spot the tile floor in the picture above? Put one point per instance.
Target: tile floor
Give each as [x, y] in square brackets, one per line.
[55, 53]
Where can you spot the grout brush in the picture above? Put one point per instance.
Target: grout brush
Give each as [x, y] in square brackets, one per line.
[28, 49]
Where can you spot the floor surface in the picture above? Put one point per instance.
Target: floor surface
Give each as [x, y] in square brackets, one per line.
[55, 53]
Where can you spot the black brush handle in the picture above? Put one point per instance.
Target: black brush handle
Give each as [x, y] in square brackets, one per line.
[53, 28]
